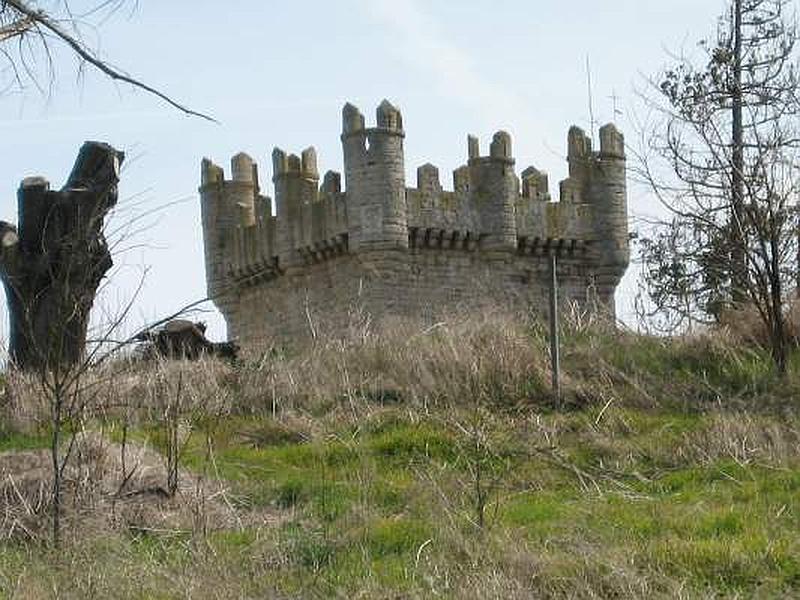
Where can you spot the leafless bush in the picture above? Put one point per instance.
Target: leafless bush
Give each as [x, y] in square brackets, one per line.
[745, 439]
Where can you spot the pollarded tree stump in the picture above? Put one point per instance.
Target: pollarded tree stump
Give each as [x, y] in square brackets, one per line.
[52, 263]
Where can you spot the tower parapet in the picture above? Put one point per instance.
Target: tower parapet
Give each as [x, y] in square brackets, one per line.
[374, 172]
[419, 248]
[609, 194]
[597, 181]
[492, 192]
[296, 182]
[219, 216]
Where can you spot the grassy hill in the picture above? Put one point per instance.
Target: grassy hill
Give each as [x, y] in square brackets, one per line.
[419, 464]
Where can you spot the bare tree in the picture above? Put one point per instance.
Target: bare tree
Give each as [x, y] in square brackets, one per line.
[52, 263]
[51, 266]
[720, 150]
[32, 32]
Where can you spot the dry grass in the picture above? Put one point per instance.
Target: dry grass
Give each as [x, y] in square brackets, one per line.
[746, 326]
[360, 467]
[102, 496]
[421, 368]
[744, 438]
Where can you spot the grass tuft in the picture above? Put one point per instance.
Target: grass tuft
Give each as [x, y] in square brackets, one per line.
[423, 464]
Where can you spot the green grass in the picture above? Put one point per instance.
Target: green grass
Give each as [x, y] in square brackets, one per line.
[686, 373]
[363, 504]
[653, 487]
[10, 440]
[403, 442]
[713, 525]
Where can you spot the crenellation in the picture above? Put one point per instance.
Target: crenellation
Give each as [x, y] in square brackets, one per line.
[242, 168]
[461, 180]
[294, 165]
[352, 119]
[612, 142]
[388, 117]
[308, 163]
[428, 179]
[399, 251]
[211, 173]
[535, 185]
[501, 146]
[579, 145]
[331, 184]
[242, 189]
[473, 147]
[280, 163]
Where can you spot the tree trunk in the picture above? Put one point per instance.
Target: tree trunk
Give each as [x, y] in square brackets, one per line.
[778, 335]
[52, 264]
[738, 236]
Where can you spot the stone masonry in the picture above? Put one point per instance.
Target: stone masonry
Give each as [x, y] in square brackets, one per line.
[330, 258]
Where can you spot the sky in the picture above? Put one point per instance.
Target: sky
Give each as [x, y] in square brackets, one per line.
[278, 73]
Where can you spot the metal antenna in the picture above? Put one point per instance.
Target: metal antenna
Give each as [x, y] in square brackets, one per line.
[614, 106]
[589, 90]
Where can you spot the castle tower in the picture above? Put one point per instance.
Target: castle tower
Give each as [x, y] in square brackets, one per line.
[607, 191]
[598, 179]
[493, 190]
[219, 218]
[375, 179]
[296, 186]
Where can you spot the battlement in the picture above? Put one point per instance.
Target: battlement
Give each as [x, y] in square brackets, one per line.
[305, 165]
[499, 149]
[387, 119]
[490, 213]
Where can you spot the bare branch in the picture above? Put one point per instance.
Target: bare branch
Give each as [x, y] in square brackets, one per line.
[40, 22]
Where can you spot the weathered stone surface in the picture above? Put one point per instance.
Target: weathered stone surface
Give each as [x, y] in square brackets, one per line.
[331, 259]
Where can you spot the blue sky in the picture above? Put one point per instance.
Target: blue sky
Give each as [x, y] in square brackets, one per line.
[278, 73]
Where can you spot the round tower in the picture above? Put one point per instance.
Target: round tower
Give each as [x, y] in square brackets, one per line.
[219, 218]
[493, 189]
[607, 193]
[296, 186]
[375, 179]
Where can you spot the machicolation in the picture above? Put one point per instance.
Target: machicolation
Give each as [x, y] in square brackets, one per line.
[381, 249]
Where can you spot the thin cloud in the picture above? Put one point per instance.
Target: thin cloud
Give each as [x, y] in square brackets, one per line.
[424, 46]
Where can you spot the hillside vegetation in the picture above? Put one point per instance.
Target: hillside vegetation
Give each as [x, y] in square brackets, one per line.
[419, 464]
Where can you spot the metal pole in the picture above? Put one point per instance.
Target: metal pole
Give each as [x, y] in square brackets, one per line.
[555, 363]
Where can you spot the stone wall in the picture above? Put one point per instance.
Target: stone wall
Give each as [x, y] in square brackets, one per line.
[329, 260]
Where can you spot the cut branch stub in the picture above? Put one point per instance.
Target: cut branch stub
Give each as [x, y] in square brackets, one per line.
[52, 264]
